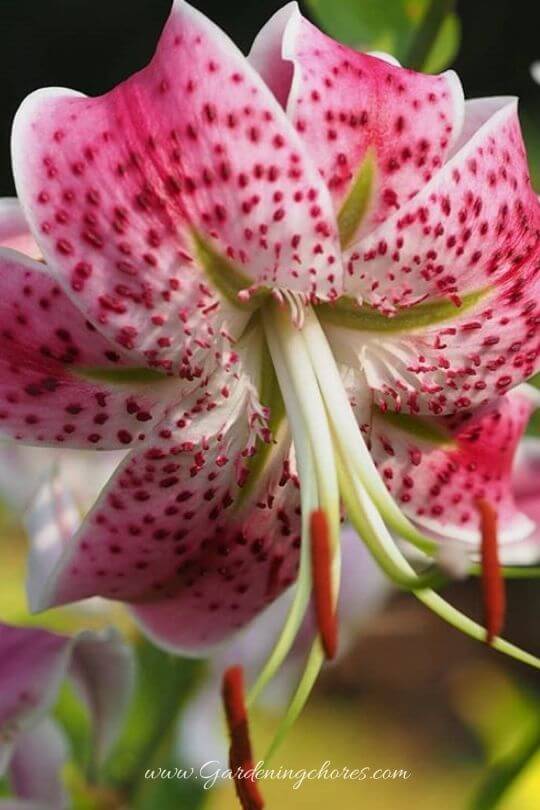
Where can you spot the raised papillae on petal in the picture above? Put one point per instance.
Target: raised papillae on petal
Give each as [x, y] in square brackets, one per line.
[174, 535]
[121, 192]
[61, 381]
[438, 469]
[359, 114]
[451, 283]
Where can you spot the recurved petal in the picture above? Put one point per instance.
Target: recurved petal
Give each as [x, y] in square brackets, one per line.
[266, 54]
[197, 536]
[437, 469]
[451, 282]
[185, 179]
[61, 382]
[14, 230]
[34, 664]
[365, 121]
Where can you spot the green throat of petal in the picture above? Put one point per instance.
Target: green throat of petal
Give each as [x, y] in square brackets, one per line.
[422, 428]
[225, 276]
[121, 376]
[357, 200]
[351, 315]
[270, 397]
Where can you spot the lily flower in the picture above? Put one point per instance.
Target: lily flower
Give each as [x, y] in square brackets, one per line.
[240, 253]
[35, 663]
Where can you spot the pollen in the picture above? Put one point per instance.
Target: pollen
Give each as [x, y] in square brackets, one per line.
[321, 557]
[240, 752]
[493, 588]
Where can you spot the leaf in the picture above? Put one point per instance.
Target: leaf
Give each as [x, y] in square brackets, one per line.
[387, 25]
[363, 24]
[164, 683]
[444, 49]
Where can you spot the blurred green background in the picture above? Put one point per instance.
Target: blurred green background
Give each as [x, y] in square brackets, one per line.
[412, 693]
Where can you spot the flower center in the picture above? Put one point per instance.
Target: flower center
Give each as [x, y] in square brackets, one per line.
[335, 466]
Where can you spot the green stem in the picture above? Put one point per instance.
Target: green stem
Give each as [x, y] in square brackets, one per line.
[426, 33]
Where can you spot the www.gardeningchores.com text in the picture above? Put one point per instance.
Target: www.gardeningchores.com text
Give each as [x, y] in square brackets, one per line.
[212, 772]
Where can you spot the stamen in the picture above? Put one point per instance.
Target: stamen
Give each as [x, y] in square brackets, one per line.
[321, 560]
[493, 588]
[240, 753]
[296, 302]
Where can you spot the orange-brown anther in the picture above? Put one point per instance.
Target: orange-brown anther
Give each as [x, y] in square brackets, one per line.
[240, 753]
[493, 588]
[321, 560]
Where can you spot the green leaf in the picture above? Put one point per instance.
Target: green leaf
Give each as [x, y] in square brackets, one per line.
[164, 683]
[177, 792]
[362, 23]
[393, 26]
[356, 203]
[502, 776]
[446, 46]
[348, 314]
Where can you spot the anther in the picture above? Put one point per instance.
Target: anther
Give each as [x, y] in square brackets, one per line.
[321, 561]
[240, 753]
[493, 588]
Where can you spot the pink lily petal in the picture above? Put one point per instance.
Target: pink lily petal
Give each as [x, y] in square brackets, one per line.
[34, 664]
[344, 103]
[61, 497]
[526, 486]
[102, 670]
[469, 239]
[170, 535]
[36, 767]
[51, 520]
[47, 354]
[26, 471]
[266, 53]
[113, 188]
[14, 231]
[526, 478]
[438, 468]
